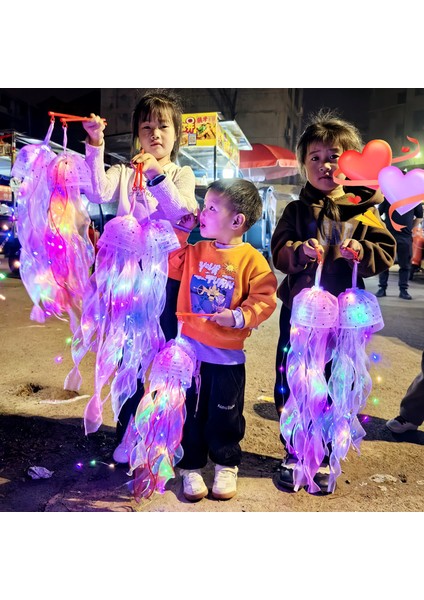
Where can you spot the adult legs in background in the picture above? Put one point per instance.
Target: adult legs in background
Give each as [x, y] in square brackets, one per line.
[411, 407]
[404, 253]
[383, 279]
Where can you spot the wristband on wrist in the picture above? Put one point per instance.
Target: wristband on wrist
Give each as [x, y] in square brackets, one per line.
[157, 179]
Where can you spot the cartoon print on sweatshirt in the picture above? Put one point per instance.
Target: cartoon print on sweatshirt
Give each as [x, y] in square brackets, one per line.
[212, 288]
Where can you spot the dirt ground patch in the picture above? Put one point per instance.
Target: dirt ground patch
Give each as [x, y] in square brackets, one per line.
[41, 425]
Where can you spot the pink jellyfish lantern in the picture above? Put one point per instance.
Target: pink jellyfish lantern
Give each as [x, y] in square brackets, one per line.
[350, 382]
[30, 170]
[112, 319]
[121, 310]
[160, 418]
[313, 326]
[69, 249]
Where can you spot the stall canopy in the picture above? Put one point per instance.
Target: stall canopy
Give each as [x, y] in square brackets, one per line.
[266, 162]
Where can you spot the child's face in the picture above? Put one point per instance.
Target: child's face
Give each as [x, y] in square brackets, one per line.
[217, 216]
[320, 163]
[157, 135]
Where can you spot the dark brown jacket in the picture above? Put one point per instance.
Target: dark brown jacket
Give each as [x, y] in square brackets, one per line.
[300, 221]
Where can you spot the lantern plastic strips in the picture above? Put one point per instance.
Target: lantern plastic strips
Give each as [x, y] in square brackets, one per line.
[52, 227]
[160, 418]
[328, 335]
[312, 338]
[121, 311]
[157, 240]
[30, 169]
[112, 318]
[350, 382]
[69, 249]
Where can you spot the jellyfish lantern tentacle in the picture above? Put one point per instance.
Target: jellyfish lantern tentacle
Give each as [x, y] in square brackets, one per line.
[160, 418]
[112, 318]
[350, 382]
[69, 249]
[302, 421]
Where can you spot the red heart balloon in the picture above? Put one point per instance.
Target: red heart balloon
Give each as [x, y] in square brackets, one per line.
[367, 164]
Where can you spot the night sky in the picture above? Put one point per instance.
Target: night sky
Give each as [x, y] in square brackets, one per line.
[351, 103]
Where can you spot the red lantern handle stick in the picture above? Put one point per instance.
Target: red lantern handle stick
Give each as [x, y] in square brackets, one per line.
[353, 252]
[70, 118]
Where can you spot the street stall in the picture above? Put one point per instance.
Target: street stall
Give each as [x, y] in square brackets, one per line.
[212, 148]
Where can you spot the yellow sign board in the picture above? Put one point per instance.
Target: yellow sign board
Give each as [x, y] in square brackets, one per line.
[199, 129]
[203, 129]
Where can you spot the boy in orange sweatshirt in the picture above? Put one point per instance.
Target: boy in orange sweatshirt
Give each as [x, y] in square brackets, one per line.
[232, 284]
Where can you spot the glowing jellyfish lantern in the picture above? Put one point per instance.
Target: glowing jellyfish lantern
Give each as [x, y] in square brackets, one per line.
[350, 382]
[160, 418]
[112, 319]
[68, 247]
[121, 308]
[302, 422]
[30, 170]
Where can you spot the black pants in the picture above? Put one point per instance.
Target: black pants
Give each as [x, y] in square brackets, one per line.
[281, 388]
[215, 424]
[169, 324]
[404, 253]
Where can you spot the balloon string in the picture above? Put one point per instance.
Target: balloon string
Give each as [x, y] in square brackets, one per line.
[49, 133]
[65, 135]
[318, 272]
[355, 273]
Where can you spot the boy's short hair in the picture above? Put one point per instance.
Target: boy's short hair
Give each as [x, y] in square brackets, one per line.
[243, 195]
[158, 103]
[328, 127]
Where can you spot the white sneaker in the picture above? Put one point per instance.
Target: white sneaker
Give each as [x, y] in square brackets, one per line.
[194, 487]
[122, 452]
[400, 425]
[225, 482]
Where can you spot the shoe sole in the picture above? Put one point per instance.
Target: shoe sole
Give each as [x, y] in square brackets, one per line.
[225, 496]
[285, 485]
[195, 497]
[402, 431]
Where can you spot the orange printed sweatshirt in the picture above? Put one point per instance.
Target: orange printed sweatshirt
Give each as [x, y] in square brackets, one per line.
[214, 278]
